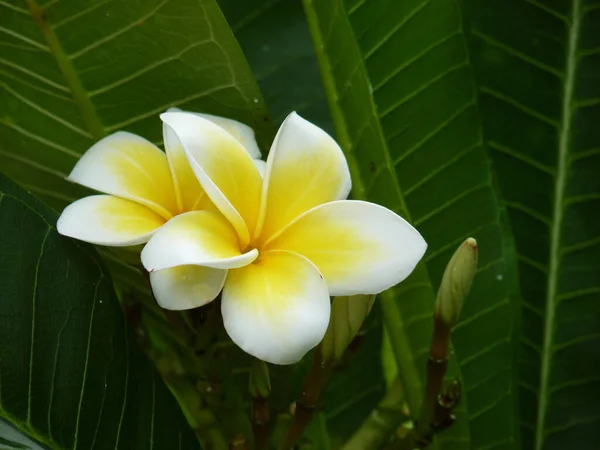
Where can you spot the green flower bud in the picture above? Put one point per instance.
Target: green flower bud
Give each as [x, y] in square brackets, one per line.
[260, 382]
[347, 316]
[456, 282]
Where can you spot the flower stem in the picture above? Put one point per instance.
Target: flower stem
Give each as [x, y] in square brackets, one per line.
[211, 325]
[382, 422]
[307, 404]
[260, 423]
[433, 416]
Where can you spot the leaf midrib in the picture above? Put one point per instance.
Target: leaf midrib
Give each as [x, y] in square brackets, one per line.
[562, 169]
[87, 110]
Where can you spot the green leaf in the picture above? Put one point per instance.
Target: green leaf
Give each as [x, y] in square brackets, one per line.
[274, 37]
[538, 66]
[71, 376]
[352, 391]
[316, 434]
[71, 73]
[402, 97]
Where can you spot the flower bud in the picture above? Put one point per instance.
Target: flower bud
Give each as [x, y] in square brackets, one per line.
[456, 282]
[347, 316]
[260, 382]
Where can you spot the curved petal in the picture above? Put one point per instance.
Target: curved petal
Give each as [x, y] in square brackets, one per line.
[203, 238]
[186, 287]
[190, 195]
[260, 165]
[108, 220]
[243, 133]
[359, 247]
[276, 309]
[128, 166]
[223, 168]
[305, 168]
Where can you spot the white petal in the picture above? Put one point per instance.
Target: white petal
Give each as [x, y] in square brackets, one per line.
[277, 308]
[203, 238]
[261, 166]
[128, 166]
[186, 287]
[190, 194]
[243, 133]
[359, 247]
[223, 168]
[305, 168]
[108, 220]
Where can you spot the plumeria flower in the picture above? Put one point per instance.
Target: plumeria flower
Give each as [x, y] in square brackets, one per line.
[144, 187]
[278, 247]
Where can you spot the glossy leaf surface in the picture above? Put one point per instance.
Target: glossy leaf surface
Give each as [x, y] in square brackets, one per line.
[403, 101]
[71, 73]
[537, 66]
[71, 375]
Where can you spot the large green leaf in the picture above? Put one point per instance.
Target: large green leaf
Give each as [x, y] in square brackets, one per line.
[274, 37]
[402, 97]
[71, 72]
[71, 375]
[538, 71]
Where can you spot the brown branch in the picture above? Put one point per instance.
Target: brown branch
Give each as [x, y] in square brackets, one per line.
[307, 404]
[433, 417]
[260, 423]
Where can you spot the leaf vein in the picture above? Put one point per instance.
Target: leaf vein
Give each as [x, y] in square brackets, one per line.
[33, 302]
[417, 57]
[492, 42]
[115, 34]
[396, 28]
[520, 106]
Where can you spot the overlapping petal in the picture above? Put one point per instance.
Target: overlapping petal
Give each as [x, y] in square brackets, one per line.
[223, 167]
[242, 132]
[128, 166]
[277, 308]
[190, 195]
[109, 220]
[261, 166]
[305, 168]
[186, 287]
[359, 247]
[203, 238]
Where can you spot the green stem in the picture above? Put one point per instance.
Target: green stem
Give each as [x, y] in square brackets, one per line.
[407, 370]
[201, 420]
[382, 422]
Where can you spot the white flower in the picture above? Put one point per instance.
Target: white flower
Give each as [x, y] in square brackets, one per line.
[280, 247]
[145, 187]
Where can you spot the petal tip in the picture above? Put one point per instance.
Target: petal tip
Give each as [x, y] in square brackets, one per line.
[166, 116]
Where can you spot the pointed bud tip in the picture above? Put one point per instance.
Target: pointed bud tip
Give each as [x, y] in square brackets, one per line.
[456, 282]
[471, 242]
